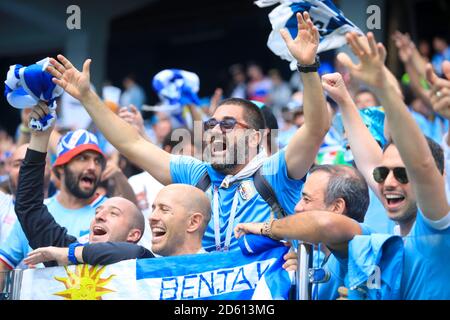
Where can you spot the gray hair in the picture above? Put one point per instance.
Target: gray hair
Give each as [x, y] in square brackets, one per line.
[348, 184]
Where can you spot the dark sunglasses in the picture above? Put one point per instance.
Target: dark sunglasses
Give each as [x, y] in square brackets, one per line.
[226, 124]
[380, 174]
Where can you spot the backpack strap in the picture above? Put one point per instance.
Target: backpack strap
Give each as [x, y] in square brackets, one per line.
[262, 186]
[204, 182]
[265, 190]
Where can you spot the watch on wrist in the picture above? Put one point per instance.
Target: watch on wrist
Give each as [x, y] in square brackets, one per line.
[306, 68]
[71, 254]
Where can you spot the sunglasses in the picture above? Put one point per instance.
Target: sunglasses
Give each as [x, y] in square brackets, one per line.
[380, 174]
[225, 125]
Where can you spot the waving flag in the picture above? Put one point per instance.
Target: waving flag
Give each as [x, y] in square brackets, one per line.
[26, 86]
[329, 20]
[175, 88]
[216, 275]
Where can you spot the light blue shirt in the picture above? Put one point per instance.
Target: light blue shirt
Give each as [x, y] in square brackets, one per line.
[77, 223]
[434, 129]
[337, 268]
[251, 206]
[426, 274]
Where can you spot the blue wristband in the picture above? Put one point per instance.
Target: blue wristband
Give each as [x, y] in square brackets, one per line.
[71, 255]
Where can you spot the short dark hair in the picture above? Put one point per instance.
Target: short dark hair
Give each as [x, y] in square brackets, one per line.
[347, 183]
[436, 152]
[252, 115]
[365, 90]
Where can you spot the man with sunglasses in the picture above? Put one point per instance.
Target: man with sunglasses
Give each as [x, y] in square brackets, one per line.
[407, 175]
[236, 121]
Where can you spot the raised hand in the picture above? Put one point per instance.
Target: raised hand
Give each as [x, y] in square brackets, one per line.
[334, 85]
[304, 47]
[404, 45]
[134, 117]
[74, 82]
[371, 55]
[440, 90]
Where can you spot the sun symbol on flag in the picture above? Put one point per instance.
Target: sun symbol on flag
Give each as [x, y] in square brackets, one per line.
[84, 284]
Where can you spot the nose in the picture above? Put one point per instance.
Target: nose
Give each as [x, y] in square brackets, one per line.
[154, 217]
[390, 181]
[100, 216]
[216, 129]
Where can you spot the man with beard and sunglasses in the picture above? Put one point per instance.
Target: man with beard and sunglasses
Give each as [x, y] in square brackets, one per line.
[235, 122]
[407, 174]
[79, 165]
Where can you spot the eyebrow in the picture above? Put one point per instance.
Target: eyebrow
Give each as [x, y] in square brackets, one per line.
[114, 207]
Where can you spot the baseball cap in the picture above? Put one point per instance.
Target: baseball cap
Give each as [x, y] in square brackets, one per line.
[73, 143]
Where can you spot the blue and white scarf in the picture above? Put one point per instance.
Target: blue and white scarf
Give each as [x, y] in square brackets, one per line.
[26, 86]
[329, 20]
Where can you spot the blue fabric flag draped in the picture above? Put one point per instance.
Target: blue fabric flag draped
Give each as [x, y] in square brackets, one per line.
[329, 20]
[26, 86]
[176, 88]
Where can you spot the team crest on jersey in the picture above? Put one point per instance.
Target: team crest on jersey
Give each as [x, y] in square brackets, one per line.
[247, 189]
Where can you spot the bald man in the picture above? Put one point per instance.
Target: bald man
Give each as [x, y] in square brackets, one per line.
[180, 216]
[116, 219]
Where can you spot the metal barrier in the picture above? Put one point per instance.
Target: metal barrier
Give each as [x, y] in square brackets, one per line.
[10, 283]
[304, 264]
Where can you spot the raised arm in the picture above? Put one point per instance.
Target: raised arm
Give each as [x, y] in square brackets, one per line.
[121, 134]
[425, 178]
[37, 223]
[365, 149]
[304, 145]
[334, 230]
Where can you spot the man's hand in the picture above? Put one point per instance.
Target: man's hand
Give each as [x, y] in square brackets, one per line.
[46, 254]
[440, 90]
[245, 228]
[343, 293]
[334, 85]
[304, 47]
[111, 170]
[404, 45]
[290, 263]
[74, 82]
[371, 55]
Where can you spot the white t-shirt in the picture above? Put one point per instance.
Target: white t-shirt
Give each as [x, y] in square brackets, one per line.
[145, 188]
[7, 215]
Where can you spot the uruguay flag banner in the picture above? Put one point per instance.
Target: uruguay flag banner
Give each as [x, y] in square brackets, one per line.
[328, 19]
[217, 275]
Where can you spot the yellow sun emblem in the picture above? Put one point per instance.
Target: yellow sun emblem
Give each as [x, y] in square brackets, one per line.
[84, 284]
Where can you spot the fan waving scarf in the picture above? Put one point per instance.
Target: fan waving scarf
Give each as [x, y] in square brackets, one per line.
[26, 86]
[328, 19]
[176, 88]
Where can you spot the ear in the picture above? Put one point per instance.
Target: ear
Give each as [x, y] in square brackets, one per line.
[338, 206]
[195, 222]
[256, 138]
[134, 235]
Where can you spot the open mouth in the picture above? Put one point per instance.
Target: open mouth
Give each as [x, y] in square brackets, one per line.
[394, 200]
[157, 234]
[218, 146]
[87, 181]
[98, 231]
